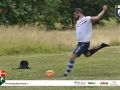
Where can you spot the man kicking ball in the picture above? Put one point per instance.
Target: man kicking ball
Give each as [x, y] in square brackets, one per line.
[83, 34]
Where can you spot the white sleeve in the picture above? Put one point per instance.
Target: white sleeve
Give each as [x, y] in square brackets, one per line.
[89, 18]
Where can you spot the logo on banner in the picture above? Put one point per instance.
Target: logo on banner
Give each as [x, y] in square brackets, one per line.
[92, 83]
[2, 76]
[117, 11]
[103, 83]
[79, 83]
[114, 83]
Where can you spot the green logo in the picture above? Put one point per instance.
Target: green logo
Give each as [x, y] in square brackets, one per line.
[2, 80]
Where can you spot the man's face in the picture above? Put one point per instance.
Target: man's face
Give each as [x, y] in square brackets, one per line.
[76, 15]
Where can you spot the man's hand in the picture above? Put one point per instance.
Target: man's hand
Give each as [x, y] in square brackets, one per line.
[104, 7]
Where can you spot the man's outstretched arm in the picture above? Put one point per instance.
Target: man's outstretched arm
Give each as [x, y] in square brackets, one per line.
[96, 18]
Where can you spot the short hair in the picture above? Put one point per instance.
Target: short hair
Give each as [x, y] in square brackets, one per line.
[78, 10]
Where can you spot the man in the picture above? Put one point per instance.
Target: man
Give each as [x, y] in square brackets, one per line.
[2, 9]
[83, 34]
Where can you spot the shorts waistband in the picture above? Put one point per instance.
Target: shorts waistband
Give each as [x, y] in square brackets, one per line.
[84, 42]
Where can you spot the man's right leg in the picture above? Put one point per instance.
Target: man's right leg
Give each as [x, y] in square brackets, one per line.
[95, 49]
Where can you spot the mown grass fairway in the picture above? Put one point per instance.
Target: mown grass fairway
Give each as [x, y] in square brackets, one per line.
[104, 65]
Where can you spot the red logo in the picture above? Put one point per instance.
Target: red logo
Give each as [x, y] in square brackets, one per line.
[104, 83]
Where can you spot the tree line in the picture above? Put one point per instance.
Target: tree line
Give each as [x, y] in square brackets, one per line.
[50, 12]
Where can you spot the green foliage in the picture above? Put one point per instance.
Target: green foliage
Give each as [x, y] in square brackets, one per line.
[89, 7]
[30, 12]
[50, 12]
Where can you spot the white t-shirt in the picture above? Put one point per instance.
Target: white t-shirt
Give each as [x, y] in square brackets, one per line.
[84, 29]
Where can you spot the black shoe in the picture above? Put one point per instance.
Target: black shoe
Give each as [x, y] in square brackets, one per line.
[64, 75]
[105, 45]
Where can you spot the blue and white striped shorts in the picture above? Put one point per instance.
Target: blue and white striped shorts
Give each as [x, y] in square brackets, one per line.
[82, 48]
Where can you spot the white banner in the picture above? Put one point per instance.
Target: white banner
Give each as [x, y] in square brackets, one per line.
[61, 83]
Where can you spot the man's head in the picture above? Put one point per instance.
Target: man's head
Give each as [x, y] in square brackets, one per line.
[78, 13]
[2, 9]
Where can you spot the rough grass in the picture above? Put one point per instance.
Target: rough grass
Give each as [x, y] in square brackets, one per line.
[25, 40]
[104, 65]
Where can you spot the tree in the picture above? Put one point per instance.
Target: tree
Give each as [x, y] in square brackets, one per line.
[50, 12]
[31, 12]
[89, 7]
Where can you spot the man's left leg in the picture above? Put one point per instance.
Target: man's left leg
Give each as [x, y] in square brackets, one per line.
[70, 64]
[78, 51]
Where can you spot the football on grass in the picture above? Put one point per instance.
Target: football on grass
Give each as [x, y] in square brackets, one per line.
[50, 73]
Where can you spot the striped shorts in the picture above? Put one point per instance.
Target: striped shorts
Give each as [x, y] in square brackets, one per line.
[82, 48]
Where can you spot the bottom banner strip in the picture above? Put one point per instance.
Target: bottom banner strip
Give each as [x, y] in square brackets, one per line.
[61, 83]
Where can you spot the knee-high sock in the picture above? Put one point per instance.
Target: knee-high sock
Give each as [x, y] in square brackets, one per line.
[95, 49]
[70, 66]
